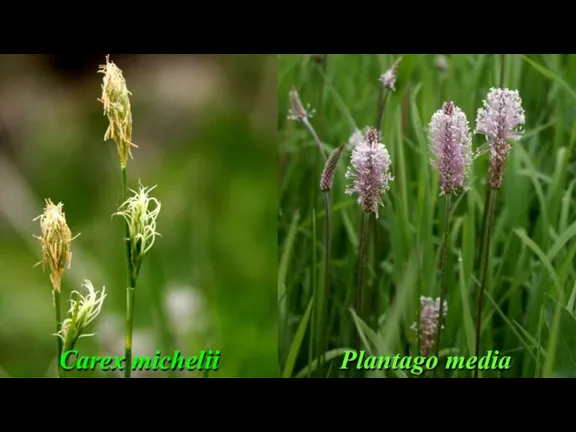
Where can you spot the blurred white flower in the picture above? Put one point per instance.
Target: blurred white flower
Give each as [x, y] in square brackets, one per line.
[186, 307]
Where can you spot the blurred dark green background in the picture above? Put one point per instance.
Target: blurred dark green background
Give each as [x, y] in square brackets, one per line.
[206, 127]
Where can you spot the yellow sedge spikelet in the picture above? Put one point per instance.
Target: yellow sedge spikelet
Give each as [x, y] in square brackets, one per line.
[55, 241]
[116, 101]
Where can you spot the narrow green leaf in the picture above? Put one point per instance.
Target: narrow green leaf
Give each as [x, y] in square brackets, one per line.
[561, 359]
[367, 334]
[329, 355]
[297, 342]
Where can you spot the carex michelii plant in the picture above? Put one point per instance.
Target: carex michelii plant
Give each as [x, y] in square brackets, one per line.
[55, 240]
[138, 211]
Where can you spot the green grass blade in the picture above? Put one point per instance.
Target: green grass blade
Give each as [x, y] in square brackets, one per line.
[367, 334]
[561, 359]
[540, 254]
[466, 311]
[297, 342]
[512, 326]
[328, 356]
[550, 75]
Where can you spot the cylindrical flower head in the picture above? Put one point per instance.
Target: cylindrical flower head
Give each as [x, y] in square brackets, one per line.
[55, 241]
[327, 177]
[116, 101]
[451, 146]
[370, 171]
[83, 310]
[140, 212]
[428, 325]
[297, 111]
[388, 79]
[501, 119]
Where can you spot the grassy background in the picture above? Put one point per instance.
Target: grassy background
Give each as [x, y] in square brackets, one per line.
[529, 306]
[205, 126]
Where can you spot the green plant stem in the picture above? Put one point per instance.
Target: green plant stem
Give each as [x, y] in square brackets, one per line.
[58, 324]
[327, 250]
[362, 264]
[130, 295]
[313, 342]
[502, 69]
[129, 290]
[316, 139]
[323, 66]
[443, 273]
[483, 228]
[487, 195]
[364, 226]
[382, 98]
[383, 93]
[486, 260]
[375, 294]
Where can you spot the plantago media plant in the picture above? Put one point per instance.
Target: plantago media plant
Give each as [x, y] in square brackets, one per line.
[501, 119]
[369, 171]
[429, 324]
[429, 249]
[451, 147]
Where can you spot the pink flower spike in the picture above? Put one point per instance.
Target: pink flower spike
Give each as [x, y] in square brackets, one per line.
[451, 147]
[370, 171]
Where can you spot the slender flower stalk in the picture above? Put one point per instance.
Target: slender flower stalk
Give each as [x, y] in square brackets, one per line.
[369, 171]
[501, 120]
[139, 219]
[55, 241]
[139, 212]
[488, 189]
[388, 85]
[451, 147]
[326, 181]
[299, 113]
[116, 101]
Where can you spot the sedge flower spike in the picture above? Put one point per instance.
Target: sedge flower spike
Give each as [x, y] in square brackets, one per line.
[55, 241]
[83, 310]
[428, 325]
[451, 147]
[116, 101]
[140, 212]
[501, 120]
[370, 171]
